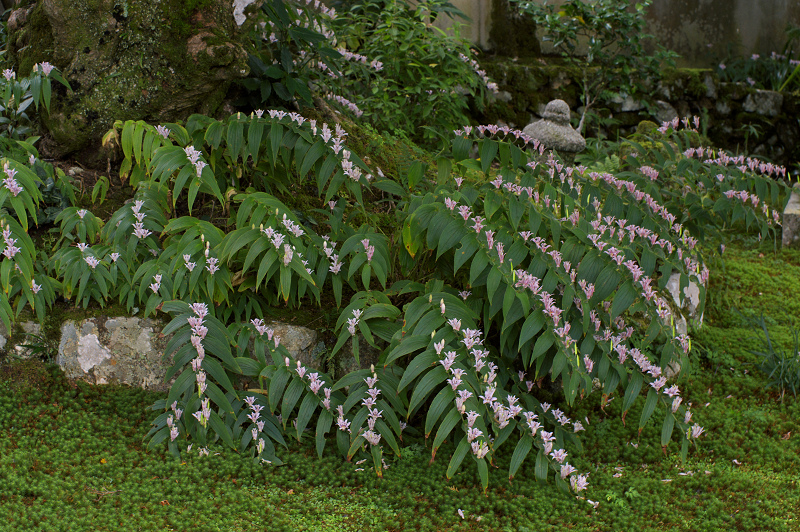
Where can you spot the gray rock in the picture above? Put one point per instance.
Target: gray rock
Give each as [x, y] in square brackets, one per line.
[665, 111]
[503, 96]
[686, 303]
[711, 86]
[555, 131]
[118, 350]
[765, 103]
[625, 103]
[723, 108]
[301, 342]
[27, 333]
[791, 220]
[238, 10]
[345, 361]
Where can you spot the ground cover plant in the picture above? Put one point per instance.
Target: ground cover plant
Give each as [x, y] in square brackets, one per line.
[743, 477]
[508, 298]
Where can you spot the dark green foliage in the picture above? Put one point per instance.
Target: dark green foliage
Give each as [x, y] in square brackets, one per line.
[782, 367]
[608, 34]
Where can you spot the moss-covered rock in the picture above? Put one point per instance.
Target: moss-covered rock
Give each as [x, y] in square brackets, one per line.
[157, 60]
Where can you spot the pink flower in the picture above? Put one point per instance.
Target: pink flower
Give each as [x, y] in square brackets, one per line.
[139, 231]
[45, 68]
[579, 483]
[11, 184]
[211, 265]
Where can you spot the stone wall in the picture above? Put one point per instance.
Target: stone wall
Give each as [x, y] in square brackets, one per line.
[735, 115]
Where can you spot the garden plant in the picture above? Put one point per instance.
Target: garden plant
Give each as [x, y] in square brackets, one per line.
[502, 293]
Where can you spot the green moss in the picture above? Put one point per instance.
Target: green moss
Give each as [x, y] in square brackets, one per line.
[133, 63]
[689, 81]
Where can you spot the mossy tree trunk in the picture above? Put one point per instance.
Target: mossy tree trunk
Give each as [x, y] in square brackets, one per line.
[157, 60]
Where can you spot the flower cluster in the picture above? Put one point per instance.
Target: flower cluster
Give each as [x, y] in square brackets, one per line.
[10, 249]
[344, 102]
[491, 85]
[172, 421]
[211, 262]
[9, 182]
[376, 65]
[372, 437]
[369, 250]
[258, 424]
[352, 322]
[327, 248]
[156, 283]
[138, 227]
[194, 157]
[44, 67]
[199, 332]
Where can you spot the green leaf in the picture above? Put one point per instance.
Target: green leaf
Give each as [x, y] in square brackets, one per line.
[649, 407]
[323, 425]
[307, 408]
[623, 299]
[431, 380]
[541, 467]
[420, 363]
[533, 324]
[235, 139]
[520, 452]
[487, 153]
[290, 398]
[441, 402]
[222, 430]
[666, 429]
[216, 395]
[255, 132]
[276, 387]
[407, 345]
[483, 472]
[462, 449]
[632, 391]
[449, 422]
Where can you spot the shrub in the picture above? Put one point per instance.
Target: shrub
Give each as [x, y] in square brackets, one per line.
[536, 270]
[529, 270]
[390, 66]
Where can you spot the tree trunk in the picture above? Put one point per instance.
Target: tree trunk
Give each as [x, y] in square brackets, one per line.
[155, 60]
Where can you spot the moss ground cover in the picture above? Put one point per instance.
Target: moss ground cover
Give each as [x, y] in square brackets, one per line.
[72, 453]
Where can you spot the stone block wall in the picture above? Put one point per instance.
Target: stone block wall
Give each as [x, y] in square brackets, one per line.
[735, 115]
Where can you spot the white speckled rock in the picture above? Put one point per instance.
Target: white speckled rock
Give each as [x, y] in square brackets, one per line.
[114, 350]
